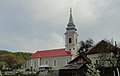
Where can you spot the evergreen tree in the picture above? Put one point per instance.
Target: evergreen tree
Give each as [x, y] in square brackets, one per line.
[92, 70]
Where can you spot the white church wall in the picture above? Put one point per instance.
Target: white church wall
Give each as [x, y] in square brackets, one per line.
[60, 61]
[37, 62]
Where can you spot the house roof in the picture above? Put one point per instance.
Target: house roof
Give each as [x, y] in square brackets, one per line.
[72, 66]
[103, 46]
[82, 55]
[50, 53]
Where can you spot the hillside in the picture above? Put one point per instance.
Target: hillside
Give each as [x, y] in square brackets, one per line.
[12, 59]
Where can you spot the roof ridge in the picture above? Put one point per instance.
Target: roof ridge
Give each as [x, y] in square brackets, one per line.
[50, 50]
[101, 43]
[94, 46]
[51, 53]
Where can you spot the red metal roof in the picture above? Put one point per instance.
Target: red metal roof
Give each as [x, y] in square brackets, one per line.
[50, 53]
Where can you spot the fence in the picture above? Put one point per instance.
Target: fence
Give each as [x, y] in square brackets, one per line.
[53, 73]
[73, 72]
[109, 71]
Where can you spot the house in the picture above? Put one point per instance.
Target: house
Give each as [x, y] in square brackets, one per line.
[57, 58]
[104, 53]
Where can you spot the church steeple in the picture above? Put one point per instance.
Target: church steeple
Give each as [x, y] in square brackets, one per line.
[71, 25]
[71, 37]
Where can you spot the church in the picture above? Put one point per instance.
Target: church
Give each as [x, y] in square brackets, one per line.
[57, 58]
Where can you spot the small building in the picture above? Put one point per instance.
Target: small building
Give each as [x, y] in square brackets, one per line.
[76, 67]
[81, 59]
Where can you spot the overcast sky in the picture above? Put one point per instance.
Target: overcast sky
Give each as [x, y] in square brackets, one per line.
[31, 25]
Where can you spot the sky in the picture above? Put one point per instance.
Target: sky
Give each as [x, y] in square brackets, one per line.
[31, 25]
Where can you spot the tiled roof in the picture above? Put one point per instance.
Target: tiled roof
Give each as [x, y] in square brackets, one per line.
[50, 53]
[103, 46]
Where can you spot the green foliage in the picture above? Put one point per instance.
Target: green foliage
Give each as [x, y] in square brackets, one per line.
[13, 60]
[21, 55]
[4, 52]
[2, 64]
[92, 70]
[107, 59]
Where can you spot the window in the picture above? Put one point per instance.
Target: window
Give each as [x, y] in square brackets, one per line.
[54, 63]
[97, 61]
[76, 41]
[46, 62]
[73, 48]
[35, 64]
[70, 40]
[80, 61]
[40, 61]
[67, 60]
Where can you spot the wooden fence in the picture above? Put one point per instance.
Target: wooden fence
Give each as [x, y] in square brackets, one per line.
[109, 71]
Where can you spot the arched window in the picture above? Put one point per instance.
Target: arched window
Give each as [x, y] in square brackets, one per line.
[73, 48]
[70, 40]
[46, 62]
[35, 64]
[76, 41]
[54, 63]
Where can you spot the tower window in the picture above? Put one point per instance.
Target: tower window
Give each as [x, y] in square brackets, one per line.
[73, 48]
[76, 41]
[70, 40]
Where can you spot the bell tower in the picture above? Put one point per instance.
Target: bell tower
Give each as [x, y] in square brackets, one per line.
[71, 37]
